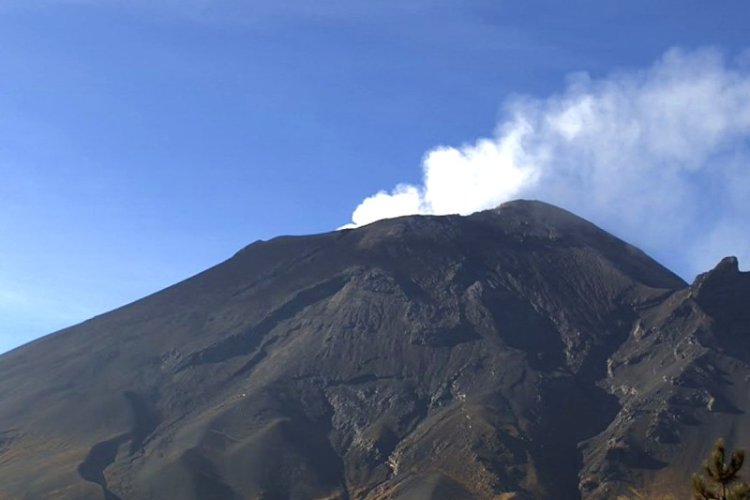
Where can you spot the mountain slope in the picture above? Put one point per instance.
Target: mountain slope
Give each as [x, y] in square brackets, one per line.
[520, 350]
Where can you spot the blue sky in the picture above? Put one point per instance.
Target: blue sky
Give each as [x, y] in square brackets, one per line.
[141, 142]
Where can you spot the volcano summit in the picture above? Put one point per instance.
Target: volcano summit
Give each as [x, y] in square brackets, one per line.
[520, 352]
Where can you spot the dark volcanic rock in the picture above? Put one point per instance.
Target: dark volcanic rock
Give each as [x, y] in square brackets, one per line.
[516, 353]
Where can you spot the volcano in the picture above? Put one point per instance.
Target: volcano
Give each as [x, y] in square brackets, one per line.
[516, 353]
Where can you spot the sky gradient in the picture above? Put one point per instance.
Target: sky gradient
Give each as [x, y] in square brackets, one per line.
[142, 142]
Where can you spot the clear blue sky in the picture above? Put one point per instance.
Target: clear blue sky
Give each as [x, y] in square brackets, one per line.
[143, 141]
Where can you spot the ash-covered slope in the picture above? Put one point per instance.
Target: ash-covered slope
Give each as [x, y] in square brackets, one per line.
[682, 378]
[518, 351]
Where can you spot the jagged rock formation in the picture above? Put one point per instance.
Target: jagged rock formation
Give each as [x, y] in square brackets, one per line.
[515, 353]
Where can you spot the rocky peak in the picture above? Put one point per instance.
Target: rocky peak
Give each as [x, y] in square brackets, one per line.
[727, 268]
[725, 286]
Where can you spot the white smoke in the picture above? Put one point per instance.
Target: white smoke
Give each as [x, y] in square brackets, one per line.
[658, 156]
